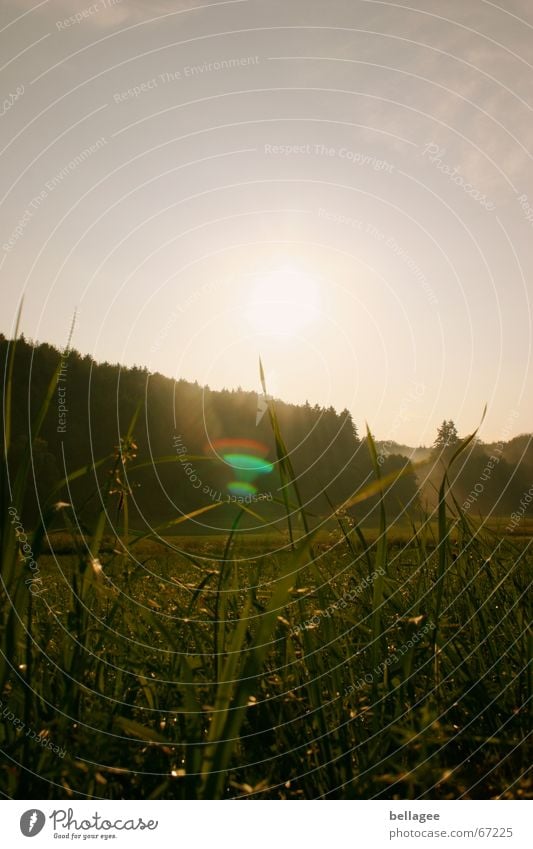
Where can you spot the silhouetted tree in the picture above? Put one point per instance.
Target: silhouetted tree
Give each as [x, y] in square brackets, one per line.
[447, 436]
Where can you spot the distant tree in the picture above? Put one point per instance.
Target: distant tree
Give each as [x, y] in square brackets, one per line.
[447, 436]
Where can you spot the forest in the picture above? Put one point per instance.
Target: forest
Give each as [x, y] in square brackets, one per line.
[233, 446]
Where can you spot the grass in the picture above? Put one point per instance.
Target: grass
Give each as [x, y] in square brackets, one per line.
[331, 663]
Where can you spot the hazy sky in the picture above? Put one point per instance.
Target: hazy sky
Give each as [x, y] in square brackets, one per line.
[345, 188]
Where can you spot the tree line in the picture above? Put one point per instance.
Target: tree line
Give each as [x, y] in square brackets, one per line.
[192, 446]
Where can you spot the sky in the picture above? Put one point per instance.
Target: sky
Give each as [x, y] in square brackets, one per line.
[344, 189]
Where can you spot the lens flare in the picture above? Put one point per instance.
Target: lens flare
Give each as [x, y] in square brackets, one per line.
[247, 463]
[246, 459]
[238, 446]
[242, 488]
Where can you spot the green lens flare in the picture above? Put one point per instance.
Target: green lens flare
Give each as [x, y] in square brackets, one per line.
[247, 463]
[246, 458]
[242, 488]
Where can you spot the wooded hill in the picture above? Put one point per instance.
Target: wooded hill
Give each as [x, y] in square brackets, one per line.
[94, 403]
[234, 459]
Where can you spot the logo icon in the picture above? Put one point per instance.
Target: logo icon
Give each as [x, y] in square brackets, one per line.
[32, 822]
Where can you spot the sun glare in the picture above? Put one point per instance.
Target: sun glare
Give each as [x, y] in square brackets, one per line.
[283, 301]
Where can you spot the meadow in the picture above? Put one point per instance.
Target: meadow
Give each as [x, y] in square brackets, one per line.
[321, 661]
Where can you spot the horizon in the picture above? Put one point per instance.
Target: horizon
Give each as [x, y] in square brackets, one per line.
[360, 424]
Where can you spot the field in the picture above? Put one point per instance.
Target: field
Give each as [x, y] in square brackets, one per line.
[335, 670]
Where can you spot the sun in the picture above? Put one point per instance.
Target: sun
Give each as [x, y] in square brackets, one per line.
[283, 301]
